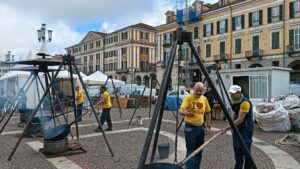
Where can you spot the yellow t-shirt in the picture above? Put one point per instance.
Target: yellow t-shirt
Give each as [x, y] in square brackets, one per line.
[106, 96]
[199, 106]
[245, 107]
[80, 97]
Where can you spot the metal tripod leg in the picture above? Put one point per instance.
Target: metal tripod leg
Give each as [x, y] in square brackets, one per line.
[139, 102]
[158, 107]
[117, 97]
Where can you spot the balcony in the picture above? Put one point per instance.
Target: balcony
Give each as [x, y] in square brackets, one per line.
[167, 43]
[119, 71]
[221, 58]
[254, 54]
[292, 49]
[143, 69]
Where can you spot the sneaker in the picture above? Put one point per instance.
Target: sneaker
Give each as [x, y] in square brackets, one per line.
[97, 130]
[108, 129]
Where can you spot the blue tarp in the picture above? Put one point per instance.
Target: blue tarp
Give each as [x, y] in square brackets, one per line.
[171, 103]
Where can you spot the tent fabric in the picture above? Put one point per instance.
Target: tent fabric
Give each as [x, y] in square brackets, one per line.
[98, 78]
[171, 103]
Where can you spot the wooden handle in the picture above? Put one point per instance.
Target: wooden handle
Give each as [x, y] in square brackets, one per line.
[200, 148]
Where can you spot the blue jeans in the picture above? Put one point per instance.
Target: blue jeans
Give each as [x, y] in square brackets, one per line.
[238, 152]
[79, 111]
[194, 138]
[105, 116]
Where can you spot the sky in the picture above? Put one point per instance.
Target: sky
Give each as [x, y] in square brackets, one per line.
[71, 20]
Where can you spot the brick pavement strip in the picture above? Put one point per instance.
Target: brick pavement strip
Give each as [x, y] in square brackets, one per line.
[128, 145]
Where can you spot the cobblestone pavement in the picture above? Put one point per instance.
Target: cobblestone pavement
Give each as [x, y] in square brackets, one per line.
[127, 145]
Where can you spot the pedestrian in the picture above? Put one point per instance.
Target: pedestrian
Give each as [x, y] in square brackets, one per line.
[79, 102]
[243, 120]
[209, 94]
[193, 108]
[106, 106]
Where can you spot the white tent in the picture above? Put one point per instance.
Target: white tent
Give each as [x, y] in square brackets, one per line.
[98, 78]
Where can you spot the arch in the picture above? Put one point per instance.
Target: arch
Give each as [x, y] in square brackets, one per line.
[138, 80]
[254, 65]
[146, 80]
[295, 73]
[123, 78]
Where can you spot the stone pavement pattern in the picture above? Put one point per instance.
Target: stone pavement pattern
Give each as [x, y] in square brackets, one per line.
[127, 146]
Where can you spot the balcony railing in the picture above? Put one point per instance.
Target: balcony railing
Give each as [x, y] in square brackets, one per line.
[122, 70]
[167, 42]
[293, 48]
[143, 69]
[254, 54]
[221, 57]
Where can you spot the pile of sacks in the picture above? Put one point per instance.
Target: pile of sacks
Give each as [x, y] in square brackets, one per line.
[282, 114]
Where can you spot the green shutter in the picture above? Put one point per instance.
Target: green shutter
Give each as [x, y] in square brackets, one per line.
[291, 10]
[226, 25]
[291, 37]
[243, 21]
[250, 20]
[238, 43]
[275, 40]
[280, 12]
[208, 50]
[212, 29]
[260, 17]
[233, 23]
[269, 15]
[218, 27]
[204, 30]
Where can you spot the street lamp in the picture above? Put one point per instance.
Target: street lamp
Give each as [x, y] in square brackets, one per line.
[42, 38]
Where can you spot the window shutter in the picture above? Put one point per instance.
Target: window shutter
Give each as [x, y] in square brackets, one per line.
[243, 21]
[233, 23]
[280, 12]
[269, 15]
[260, 17]
[250, 20]
[275, 40]
[204, 30]
[218, 27]
[291, 10]
[291, 37]
[226, 25]
[212, 29]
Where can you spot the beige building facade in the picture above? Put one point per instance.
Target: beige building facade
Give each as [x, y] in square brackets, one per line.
[127, 54]
[237, 34]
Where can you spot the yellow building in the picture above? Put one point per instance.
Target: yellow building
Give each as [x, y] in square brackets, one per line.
[240, 34]
[128, 54]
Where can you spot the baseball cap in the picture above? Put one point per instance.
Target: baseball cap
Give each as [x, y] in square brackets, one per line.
[234, 89]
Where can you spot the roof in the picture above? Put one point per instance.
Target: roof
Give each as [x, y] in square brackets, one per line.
[216, 5]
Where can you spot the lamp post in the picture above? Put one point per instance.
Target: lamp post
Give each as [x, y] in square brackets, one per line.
[42, 38]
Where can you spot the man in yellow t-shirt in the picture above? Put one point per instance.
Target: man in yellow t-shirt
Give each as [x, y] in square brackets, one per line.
[243, 120]
[106, 106]
[79, 102]
[193, 108]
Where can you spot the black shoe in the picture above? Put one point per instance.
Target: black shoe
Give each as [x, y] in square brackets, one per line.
[97, 130]
[108, 129]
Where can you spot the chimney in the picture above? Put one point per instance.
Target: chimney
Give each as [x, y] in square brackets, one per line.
[170, 16]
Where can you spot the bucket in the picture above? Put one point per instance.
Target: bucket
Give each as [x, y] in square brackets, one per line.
[161, 166]
[163, 150]
[139, 121]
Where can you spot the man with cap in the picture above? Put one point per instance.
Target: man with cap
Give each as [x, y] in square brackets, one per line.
[193, 108]
[243, 120]
[105, 102]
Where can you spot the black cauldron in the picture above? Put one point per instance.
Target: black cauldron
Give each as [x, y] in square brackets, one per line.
[162, 166]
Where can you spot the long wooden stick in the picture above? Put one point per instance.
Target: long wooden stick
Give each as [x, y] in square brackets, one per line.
[199, 149]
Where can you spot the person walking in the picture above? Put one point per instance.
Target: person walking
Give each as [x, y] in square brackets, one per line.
[106, 105]
[243, 120]
[79, 102]
[193, 108]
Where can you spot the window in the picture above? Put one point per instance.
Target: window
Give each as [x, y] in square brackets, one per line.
[144, 50]
[97, 56]
[196, 36]
[124, 51]
[85, 58]
[275, 14]
[222, 26]
[208, 50]
[275, 40]
[238, 46]
[124, 35]
[297, 38]
[85, 47]
[91, 45]
[208, 30]
[238, 66]
[238, 22]
[116, 38]
[275, 63]
[144, 66]
[97, 67]
[255, 18]
[91, 57]
[144, 35]
[98, 43]
[90, 68]
[124, 64]
[255, 44]
[275, 11]
[297, 6]
[222, 50]
[115, 66]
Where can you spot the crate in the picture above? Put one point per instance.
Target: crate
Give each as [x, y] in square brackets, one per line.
[144, 100]
[123, 103]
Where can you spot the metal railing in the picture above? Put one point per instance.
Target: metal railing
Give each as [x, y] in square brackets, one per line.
[254, 53]
[122, 70]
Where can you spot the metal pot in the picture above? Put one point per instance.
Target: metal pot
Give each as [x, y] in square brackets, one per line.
[57, 133]
[161, 166]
